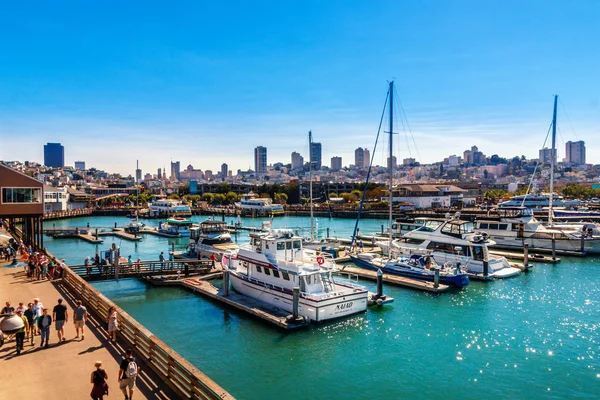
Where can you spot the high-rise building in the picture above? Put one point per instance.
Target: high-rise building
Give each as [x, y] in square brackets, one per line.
[54, 155]
[297, 160]
[546, 155]
[159, 175]
[394, 162]
[175, 170]
[260, 160]
[367, 157]
[138, 172]
[208, 174]
[359, 157]
[407, 162]
[316, 155]
[224, 169]
[575, 152]
[80, 165]
[336, 163]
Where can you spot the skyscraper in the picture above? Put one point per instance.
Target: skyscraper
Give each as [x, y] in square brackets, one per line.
[297, 160]
[54, 155]
[546, 155]
[575, 152]
[260, 160]
[159, 175]
[359, 157]
[367, 158]
[224, 171]
[138, 172]
[336, 163]
[315, 155]
[175, 170]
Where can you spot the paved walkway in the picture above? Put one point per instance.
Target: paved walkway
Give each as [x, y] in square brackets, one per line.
[62, 371]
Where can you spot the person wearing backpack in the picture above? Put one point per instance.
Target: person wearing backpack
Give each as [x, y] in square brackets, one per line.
[98, 379]
[128, 371]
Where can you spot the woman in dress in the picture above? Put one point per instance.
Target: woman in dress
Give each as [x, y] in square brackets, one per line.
[112, 324]
[98, 379]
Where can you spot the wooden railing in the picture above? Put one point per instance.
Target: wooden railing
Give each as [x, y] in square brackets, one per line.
[67, 214]
[185, 379]
[144, 268]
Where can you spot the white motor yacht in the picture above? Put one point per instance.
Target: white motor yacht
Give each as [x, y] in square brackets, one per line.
[274, 263]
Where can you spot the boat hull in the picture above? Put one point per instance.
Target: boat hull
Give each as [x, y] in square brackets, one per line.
[315, 310]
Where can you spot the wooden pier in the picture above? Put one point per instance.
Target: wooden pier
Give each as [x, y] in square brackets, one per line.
[511, 255]
[247, 304]
[396, 280]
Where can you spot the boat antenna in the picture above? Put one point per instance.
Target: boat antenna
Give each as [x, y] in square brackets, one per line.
[310, 187]
[391, 166]
[552, 162]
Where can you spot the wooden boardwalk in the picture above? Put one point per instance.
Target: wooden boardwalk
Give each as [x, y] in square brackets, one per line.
[396, 280]
[62, 371]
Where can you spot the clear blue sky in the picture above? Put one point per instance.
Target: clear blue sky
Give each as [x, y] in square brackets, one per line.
[206, 82]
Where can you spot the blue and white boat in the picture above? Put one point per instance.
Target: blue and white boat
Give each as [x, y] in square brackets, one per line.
[418, 267]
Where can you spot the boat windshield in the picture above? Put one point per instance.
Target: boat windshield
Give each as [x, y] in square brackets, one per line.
[430, 226]
[458, 228]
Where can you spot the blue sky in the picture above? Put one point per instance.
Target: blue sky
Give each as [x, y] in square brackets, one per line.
[205, 83]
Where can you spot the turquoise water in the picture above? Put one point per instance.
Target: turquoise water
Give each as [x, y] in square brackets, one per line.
[534, 336]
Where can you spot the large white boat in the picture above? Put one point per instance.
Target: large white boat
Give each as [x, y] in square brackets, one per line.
[513, 227]
[259, 205]
[169, 208]
[539, 201]
[274, 263]
[453, 241]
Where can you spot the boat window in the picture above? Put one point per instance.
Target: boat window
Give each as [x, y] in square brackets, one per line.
[297, 244]
[503, 227]
[394, 226]
[483, 225]
[288, 245]
[308, 280]
[493, 227]
[276, 274]
[258, 268]
[467, 227]
[286, 276]
[267, 271]
[414, 241]
[280, 246]
[478, 253]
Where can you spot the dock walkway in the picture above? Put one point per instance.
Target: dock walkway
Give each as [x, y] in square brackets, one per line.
[62, 371]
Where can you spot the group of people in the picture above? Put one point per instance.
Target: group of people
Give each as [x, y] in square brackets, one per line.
[103, 265]
[37, 321]
[40, 267]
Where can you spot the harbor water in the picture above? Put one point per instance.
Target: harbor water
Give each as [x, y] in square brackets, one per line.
[533, 336]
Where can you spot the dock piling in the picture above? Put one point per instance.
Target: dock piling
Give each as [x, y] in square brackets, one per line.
[96, 233]
[327, 232]
[296, 303]
[583, 241]
[526, 256]
[553, 247]
[379, 283]
[226, 283]
[436, 278]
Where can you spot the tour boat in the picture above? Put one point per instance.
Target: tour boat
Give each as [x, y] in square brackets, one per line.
[452, 241]
[512, 227]
[539, 201]
[258, 205]
[275, 262]
[176, 227]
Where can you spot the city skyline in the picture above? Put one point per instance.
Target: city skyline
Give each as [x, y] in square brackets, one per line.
[155, 80]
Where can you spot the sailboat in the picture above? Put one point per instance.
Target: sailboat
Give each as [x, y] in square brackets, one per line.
[419, 267]
[135, 225]
[513, 227]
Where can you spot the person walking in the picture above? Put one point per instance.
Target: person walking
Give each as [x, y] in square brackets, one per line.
[60, 315]
[88, 268]
[161, 258]
[43, 324]
[97, 263]
[21, 307]
[79, 318]
[37, 311]
[20, 335]
[113, 324]
[128, 372]
[98, 379]
[8, 309]
[30, 315]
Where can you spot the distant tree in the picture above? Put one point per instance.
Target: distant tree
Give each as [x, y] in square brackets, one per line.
[231, 197]
[281, 198]
[183, 190]
[208, 197]
[173, 196]
[219, 198]
[223, 188]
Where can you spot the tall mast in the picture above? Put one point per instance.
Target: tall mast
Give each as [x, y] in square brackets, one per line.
[310, 191]
[390, 166]
[552, 162]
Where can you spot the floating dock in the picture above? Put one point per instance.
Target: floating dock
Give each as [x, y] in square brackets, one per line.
[520, 256]
[249, 305]
[120, 233]
[396, 280]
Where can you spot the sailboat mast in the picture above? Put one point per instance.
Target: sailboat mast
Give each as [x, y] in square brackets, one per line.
[310, 188]
[391, 165]
[552, 163]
